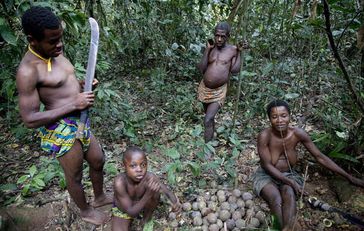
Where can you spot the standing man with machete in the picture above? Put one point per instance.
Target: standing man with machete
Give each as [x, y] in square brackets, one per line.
[46, 76]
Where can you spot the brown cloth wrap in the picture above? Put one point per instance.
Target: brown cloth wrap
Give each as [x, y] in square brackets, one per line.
[207, 95]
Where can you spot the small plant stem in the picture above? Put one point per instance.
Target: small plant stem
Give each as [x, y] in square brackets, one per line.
[301, 197]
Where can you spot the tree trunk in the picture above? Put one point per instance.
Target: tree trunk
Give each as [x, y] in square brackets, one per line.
[355, 95]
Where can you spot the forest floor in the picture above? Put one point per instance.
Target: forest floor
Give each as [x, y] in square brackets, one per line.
[52, 208]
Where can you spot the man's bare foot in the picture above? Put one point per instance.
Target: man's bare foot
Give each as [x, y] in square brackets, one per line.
[102, 200]
[94, 216]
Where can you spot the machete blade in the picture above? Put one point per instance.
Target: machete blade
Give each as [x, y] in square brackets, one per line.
[90, 72]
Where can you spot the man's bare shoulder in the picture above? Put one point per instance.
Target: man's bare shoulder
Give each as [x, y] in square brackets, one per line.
[62, 59]
[27, 69]
[231, 46]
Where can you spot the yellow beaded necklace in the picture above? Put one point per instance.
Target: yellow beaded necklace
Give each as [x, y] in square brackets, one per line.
[47, 61]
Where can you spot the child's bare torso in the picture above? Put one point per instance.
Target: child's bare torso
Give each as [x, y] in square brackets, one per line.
[219, 65]
[137, 191]
[283, 150]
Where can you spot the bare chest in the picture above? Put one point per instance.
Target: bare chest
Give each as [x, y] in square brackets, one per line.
[283, 150]
[60, 75]
[221, 57]
[136, 192]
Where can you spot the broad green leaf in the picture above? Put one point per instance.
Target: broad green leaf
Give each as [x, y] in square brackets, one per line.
[197, 131]
[275, 223]
[110, 169]
[234, 140]
[268, 68]
[149, 226]
[208, 148]
[32, 170]
[8, 187]
[8, 35]
[220, 129]
[231, 171]
[22, 179]
[171, 176]
[49, 176]
[25, 189]
[321, 137]
[172, 153]
[195, 168]
[235, 153]
[343, 156]
[39, 182]
[248, 73]
[291, 96]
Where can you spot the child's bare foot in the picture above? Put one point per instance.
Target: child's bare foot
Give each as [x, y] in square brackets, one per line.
[94, 216]
[102, 200]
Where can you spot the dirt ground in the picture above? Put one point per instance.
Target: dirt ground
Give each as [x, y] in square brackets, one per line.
[53, 209]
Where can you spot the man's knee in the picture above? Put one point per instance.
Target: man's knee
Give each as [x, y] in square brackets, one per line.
[97, 163]
[95, 156]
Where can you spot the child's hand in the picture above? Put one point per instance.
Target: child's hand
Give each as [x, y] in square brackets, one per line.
[177, 207]
[95, 82]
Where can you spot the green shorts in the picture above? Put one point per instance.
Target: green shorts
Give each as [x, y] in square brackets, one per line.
[58, 138]
[261, 179]
[116, 212]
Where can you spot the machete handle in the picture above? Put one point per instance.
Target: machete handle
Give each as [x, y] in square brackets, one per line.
[80, 129]
[81, 124]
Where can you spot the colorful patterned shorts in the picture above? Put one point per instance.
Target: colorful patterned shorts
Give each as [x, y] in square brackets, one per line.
[58, 138]
[116, 212]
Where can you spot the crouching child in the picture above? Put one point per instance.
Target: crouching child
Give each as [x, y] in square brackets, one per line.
[137, 192]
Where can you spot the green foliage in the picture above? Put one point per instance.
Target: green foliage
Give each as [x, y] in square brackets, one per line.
[37, 178]
[149, 225]
[275, 224]
[34, 179]
[176, 166]
[188, 156]
[334, 145]
[31, 182]
[111, 169]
